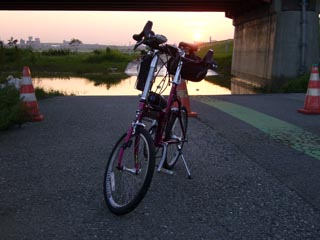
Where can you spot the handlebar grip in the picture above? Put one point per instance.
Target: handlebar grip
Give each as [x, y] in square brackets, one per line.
[146, 32]
[208, 58]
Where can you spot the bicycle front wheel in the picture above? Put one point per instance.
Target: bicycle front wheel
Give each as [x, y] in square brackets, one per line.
[126, 184]
[176, 134]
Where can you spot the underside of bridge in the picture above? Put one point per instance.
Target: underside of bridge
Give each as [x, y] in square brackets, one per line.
[135, 5]
[274, 40]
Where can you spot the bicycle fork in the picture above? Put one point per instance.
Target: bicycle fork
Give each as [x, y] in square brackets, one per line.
[127, 144]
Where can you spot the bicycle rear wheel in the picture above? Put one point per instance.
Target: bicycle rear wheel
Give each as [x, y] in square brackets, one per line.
[125, 186]
[176, 134]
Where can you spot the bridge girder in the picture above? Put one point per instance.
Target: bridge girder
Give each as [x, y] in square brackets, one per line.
[136, 5]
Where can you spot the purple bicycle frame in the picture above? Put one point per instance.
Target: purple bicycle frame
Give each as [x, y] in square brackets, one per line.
[142, 106]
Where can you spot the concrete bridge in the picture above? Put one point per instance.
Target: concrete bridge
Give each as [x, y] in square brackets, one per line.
[274, 40]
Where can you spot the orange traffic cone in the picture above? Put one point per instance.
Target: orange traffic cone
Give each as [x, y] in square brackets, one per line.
[312, 100]
[28, 96]
[182, 92]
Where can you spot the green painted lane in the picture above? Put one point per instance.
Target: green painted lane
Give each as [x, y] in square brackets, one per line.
[281, 131]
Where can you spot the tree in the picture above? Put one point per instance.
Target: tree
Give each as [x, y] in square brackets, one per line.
[12, 42]
[1, 54]
[75, 43]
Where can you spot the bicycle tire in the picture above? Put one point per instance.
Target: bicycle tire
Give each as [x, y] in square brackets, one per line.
[176, 129]
[122, 188]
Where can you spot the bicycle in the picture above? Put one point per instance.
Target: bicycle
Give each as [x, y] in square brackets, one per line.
[131, 164]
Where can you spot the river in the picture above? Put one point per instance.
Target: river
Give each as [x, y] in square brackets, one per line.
[85, 87]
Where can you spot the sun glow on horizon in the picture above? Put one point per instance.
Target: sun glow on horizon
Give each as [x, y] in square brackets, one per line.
[197, 36]
[113, 28]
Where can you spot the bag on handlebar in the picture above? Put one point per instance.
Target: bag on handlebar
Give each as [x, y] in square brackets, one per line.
[143, 72]
[194, 71]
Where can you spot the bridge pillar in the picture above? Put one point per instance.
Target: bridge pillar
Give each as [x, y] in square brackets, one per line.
[274, 44]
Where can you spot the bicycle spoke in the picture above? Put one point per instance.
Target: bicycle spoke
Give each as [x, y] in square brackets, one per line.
[176, 133]
[126, 186]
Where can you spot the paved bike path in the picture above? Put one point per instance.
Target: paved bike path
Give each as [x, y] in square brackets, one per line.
[275, 116]
[51, 178]
[279, 130]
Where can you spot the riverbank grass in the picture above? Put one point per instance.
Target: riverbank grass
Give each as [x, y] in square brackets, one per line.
[99, 66]
[12, 109]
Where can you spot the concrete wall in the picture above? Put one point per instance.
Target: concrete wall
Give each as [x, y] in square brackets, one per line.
[268, 47]
[287, 62]
[253, 53]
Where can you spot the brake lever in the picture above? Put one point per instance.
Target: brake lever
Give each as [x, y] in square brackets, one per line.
[213, 65]
[137, 37]
[138, 44]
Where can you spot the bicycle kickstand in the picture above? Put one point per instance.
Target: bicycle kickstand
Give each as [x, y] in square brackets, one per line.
[185, 164]
[180, 154]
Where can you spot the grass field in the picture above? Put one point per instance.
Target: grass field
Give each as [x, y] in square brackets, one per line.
[108, 65]
[99, 66]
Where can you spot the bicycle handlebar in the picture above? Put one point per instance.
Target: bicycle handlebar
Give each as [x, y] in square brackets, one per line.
[156, 41]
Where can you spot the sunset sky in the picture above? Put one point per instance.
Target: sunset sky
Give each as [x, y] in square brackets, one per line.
[114, 28]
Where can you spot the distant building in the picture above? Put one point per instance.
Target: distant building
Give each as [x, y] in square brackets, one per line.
[31, 42]
[35, 43]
